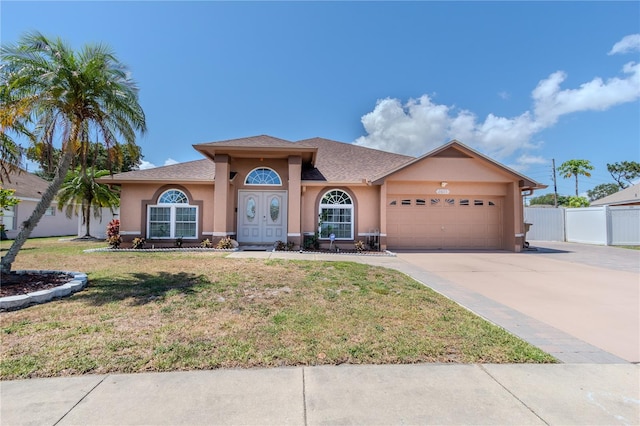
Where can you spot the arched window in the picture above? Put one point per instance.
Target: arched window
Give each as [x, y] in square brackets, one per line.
[263, 176]
[172, 217]
[336, 215]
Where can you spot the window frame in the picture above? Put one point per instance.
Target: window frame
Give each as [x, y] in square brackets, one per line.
[326, 206]
[173, 214]
[255, 170]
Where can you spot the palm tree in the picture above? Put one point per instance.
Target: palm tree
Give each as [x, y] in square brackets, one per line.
[574, 168]
[11, 121]
[80, 189]
[67, 95]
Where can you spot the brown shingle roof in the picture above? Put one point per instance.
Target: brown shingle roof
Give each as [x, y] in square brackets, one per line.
[343, 162]
[334, 162]
[191, 171]
[27, 185]
[253, 142]
[629, 195]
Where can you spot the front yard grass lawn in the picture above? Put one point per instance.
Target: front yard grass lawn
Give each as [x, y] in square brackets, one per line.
[201, 310]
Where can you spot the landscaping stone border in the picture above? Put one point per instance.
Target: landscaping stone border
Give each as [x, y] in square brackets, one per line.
[201, 249]
[77, 281]
[165, 249]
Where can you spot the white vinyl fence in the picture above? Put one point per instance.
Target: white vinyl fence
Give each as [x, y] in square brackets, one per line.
[97, 227]
[547, 224]
[605, 225]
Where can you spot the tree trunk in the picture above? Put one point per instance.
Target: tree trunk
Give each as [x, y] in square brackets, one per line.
[87, 219]
[576, 185]
[39, 211]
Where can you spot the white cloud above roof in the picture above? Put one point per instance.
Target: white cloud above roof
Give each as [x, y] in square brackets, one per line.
[144, 165]
[420, 124]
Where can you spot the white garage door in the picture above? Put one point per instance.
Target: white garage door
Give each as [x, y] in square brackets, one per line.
[444, 222]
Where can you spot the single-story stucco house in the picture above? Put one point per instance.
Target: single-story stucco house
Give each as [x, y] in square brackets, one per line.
[29, 189]
[261, 189]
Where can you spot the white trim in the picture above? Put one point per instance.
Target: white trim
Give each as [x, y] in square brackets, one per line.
[130, 232]
[263, 184]
[350, 207]
[207, 233]
[293, 234]
[222, 234]
[172, 221]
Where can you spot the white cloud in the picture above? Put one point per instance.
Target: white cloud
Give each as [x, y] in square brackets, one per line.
[524, 161]
[629, 43]
[170, 161]
[504, 95]
[144, 165]
[550, 102]
[421, 125]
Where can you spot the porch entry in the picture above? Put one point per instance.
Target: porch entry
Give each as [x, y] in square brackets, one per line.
[262, 216]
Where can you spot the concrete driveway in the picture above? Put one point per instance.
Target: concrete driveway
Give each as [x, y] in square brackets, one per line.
[589, 292]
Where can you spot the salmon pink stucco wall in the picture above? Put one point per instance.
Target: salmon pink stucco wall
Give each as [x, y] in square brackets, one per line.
[135, 196]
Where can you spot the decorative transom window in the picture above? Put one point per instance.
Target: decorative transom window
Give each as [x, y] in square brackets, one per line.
[336, 215]
[263, 176]
[172, 217]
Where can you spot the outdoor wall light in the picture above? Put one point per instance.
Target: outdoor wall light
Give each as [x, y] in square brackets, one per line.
[443, 184]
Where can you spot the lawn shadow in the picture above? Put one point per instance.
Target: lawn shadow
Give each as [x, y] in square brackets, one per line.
[141, 288]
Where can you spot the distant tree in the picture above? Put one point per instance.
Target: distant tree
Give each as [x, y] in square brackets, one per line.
[116, 158]
[547, 200]
[7, 199]
[575, 168]
[69, 95]
[80, 190]
[624, 171]
[602, 190]
[578, 202]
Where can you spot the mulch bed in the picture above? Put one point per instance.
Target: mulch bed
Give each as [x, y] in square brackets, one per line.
[16, 284]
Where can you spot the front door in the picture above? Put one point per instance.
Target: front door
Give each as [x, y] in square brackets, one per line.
[262, 216]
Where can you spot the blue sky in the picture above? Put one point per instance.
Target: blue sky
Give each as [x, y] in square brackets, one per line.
[523, 82]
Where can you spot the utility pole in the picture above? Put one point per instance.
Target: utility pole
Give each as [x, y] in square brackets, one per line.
[555, 186]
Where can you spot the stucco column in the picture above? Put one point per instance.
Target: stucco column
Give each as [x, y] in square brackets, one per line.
[513, 218]
[221, 196]
[383, 216]
[294, 231]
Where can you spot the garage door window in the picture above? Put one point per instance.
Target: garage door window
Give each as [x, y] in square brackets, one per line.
[336, 215]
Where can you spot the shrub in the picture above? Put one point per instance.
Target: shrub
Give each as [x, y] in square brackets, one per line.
[311, 242]
[225, 243]
[282, 246]
[113, 233]
[206, 243]
[179, 242]
[359, 245]
[138, 243]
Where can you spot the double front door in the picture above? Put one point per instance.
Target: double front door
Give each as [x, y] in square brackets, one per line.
[262, 216]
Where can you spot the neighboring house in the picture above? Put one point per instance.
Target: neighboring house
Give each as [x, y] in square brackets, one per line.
[29, 189]
[629, 196]
[262, 189]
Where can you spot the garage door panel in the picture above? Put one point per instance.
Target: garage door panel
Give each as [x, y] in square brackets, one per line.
[444, 223]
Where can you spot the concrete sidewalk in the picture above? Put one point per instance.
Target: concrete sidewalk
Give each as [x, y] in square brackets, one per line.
[389, 394]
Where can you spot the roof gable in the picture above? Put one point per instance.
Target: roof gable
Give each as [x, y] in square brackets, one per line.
[457, 150]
